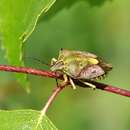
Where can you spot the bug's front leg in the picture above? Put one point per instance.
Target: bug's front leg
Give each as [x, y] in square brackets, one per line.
[53, 61]
[72, 83]
[88, 84]
[66, 78]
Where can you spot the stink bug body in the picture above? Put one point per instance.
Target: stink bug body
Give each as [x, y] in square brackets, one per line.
[80, 65]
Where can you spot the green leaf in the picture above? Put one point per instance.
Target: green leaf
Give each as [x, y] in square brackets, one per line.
[24, 120]
[18, 19]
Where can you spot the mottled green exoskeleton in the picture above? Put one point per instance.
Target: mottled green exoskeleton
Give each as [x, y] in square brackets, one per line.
[80, 65]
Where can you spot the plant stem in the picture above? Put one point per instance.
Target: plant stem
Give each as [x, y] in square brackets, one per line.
[55, 92]
[50, 100]
[108, 88]
[29, 70]
[51, 74]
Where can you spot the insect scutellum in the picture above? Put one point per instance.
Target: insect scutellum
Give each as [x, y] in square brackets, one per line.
[80, 65]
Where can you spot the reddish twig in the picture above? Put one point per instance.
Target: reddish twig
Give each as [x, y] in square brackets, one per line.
[29, 70]
[52, 74]
[108, 88]
[55, 92]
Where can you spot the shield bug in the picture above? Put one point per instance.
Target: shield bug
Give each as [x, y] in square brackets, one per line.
[80, 65]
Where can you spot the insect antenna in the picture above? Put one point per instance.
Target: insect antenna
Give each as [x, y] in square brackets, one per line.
[35, 59]
[41, 62]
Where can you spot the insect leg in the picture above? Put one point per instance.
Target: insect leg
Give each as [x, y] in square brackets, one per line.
[57, 82]
[72, 83]
[53, 61]
[65, 78]
[88, 84]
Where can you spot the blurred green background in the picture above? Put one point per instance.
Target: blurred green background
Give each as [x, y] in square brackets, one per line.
[98, 26]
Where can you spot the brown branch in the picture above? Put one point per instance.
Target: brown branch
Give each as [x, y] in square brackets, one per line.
[55, 92]
[108, 88]
[29, 70]
[52, 74]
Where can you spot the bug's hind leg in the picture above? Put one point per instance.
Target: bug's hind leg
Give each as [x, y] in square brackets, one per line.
[88, 84]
